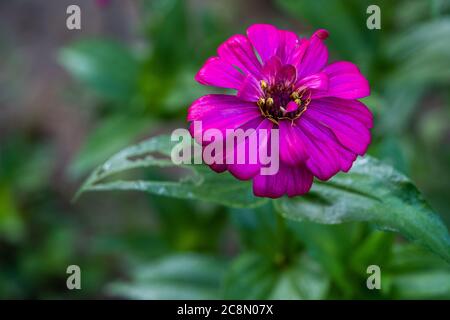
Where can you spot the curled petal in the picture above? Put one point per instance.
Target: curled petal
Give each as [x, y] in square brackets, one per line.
[315, 56]
[264, 37]
[269, 42]
[238, 51]
[218, 73]
[288, 43]
[298, 52]
[345, 81]
[250, 89]
[322, 34]
[271, 69]
[318, 81]
[286, 75]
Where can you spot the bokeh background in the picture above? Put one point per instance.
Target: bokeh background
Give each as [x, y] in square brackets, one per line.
[71, 98]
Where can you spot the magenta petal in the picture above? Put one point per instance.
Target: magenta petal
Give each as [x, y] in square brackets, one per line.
[314, 58]
[238, 51]
[327, 155]
[216, 72]
[218, 167]
[293, 181]
[345, 157]
[269, 41]
[298, 52]
[248, 170]
[291, 106]
[345, 81]
[338, 67]
[318, 81]
[288, 43]
[264, 37]
[292, 148]
[286, 76]
[323, 159]
[250, 89]
[300, 181]
[217, 105]
[271, 69]
[321, 34]
[350, 132]
[342, 107]
[219, 111]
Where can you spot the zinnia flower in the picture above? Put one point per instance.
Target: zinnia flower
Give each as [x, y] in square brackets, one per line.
[284, 82]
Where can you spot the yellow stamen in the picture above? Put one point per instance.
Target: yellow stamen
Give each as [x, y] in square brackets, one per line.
[269, 102]
[263, 84]
[261, 102]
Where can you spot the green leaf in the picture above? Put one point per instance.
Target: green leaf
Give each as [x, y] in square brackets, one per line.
[421, 285]
[376, 193]
[331, 246]
[400, 103]
[375, 249]
[12, 226]
[109, 136]
[185, 225]
[182, 276]
[426, 34]
[261, 231]
[253, 276]
[105, 66]
[407, 258]
[413, 50]
[201, 183]
[414, 273]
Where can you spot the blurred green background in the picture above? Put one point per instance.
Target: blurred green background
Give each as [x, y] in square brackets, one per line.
[70, 99]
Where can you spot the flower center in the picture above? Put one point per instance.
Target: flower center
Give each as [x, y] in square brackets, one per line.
[282, 101]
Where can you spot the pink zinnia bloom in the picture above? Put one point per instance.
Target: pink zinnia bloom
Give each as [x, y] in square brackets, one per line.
[287, 85]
